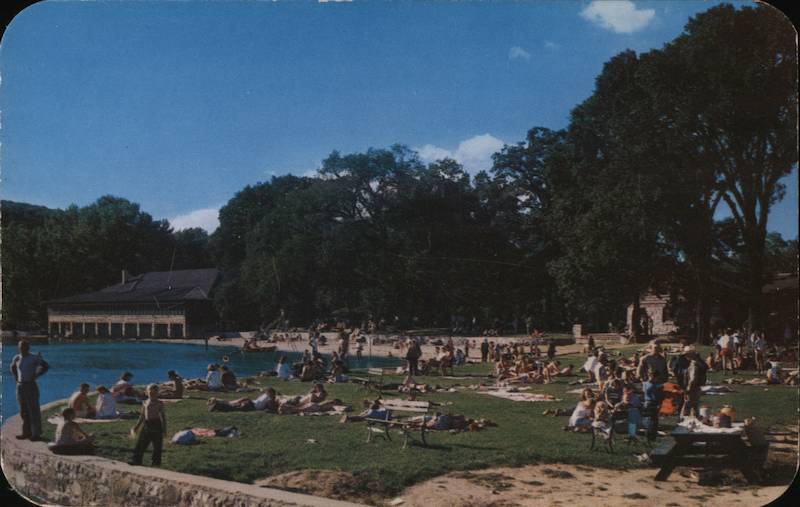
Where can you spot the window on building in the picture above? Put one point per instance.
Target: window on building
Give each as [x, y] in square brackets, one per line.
[160, 331]
[177, 331]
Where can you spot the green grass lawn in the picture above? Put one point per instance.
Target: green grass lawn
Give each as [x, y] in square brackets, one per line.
[274, 444]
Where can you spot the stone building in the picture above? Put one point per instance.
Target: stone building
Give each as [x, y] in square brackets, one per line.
[159, 304]
[655, 314]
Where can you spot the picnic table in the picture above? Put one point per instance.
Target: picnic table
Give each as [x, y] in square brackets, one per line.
[704, 448]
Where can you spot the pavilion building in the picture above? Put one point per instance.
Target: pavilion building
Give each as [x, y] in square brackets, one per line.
[159, 304]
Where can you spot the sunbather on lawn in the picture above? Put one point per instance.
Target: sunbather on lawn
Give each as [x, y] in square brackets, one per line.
[268, 401]
[314, 401]
[173, 392]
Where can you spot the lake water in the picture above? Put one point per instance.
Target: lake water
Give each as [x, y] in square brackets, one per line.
[102, 363]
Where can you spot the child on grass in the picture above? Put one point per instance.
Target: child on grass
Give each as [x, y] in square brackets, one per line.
[69, 437]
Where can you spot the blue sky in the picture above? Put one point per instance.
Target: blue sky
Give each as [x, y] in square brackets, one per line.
[178, 105]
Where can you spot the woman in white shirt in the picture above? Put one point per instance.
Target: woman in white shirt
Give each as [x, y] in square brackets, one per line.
[214, 378]
[106, 405]
[282, 369]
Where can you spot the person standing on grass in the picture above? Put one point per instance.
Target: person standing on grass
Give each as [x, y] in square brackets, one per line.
[153, 424]
[26, 368]
[551, 350]
[726, 344]
[757, 343]
[653, 362]
[412, 356]
[653, 395]
[694, 380]
[484, 350]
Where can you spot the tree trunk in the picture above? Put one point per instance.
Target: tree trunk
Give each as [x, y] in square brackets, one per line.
[703, 306]
[635, 316]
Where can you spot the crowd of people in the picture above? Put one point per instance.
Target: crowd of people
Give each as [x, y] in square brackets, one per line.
[635, 390]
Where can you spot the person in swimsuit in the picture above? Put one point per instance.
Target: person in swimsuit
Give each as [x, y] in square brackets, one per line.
[153, 424]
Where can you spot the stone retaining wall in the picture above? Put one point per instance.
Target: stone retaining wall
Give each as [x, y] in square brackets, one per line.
[42, 476]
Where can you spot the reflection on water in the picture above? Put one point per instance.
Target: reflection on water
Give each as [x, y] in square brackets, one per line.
[102, 363]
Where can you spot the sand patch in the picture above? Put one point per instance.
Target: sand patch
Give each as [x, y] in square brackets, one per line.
[326, 483]
[554, 484]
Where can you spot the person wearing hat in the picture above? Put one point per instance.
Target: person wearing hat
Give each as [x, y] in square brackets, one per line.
[694, 379]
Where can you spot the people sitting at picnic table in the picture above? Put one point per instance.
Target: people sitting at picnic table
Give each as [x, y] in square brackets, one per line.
[581, 418]
[105, 406]
[69, 437]
[79, 402]
[124, 392]
[267, 401]
[174, 391]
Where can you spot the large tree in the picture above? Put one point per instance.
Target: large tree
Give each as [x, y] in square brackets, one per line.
[728, 87]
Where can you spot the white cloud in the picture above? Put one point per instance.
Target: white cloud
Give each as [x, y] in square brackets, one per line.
[518, 53]
[206, 218]
[620, 16]
[475, 153]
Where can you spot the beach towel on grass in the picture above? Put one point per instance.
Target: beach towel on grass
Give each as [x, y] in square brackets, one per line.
[532, 397]
[337, 410]
[173, 400]
[716, 390]
[56, 419]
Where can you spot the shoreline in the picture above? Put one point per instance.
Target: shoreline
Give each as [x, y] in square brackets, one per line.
[380, 349]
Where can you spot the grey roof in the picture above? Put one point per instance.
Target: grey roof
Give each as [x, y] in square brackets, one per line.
[160, 286]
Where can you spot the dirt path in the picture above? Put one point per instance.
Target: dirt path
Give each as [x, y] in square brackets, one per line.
[547, 485]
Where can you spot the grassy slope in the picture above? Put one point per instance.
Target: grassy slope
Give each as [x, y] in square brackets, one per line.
[274, 444]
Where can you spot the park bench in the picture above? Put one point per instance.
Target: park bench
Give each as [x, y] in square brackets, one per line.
[382, 427]
[370, 382]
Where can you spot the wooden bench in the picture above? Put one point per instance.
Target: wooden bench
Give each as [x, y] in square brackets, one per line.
[381, 427]
[370, 383]
[662, 452]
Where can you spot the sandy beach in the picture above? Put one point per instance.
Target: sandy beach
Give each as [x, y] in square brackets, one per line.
[383, 349]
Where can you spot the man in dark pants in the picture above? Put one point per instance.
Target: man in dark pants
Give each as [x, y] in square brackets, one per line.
[153, 421]
[412, 356]
[653, 395]
[26, 368]
[484, 350]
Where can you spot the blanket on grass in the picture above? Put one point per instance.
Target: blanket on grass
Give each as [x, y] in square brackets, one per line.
[532, 397]
[56, 419]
